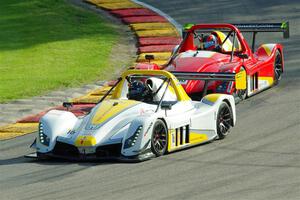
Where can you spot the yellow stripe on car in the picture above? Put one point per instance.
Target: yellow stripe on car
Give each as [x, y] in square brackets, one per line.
[212, 97]
[269, 80]
[227, 46]
[110, 108]
[174, 139]
[84, 141]
[268, 48]
[197, 137]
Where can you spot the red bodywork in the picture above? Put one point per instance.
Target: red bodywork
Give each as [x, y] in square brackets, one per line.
[259, 65]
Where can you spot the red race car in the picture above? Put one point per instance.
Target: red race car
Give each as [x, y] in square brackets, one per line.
[216, 49]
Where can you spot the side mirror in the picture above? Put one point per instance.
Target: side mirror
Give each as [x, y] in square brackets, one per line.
[149, 57]
[166, 106]
[67, 105]
[243, 55]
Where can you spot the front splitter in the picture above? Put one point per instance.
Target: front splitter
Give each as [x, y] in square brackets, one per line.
[91, 157]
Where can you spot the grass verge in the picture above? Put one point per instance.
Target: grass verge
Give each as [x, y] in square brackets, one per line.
[49, 44]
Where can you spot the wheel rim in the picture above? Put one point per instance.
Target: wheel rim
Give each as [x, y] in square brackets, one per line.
[278, 67]
[224, 121]
[159, 138]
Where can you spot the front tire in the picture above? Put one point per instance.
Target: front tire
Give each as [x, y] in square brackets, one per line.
[224, 120]
[159, 138]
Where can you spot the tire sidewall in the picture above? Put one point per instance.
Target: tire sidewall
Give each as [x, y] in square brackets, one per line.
[159, 121]
[276, 81]
[220, 134]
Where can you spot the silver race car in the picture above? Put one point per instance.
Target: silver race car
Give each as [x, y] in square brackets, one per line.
[148, 115]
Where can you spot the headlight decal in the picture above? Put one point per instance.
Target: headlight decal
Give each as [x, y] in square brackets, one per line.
[130, 142]
[43, 138]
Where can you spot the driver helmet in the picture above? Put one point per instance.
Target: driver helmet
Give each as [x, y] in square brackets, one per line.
[210, 42]
[137, 90]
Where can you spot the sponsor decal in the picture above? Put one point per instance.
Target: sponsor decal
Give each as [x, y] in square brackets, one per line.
[85, 141]
[82, 140]
[71, 132]
[148, 129]
[173, 138]
[145, 112]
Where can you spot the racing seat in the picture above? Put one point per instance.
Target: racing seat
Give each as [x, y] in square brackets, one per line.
[227, 46]
[155, 84]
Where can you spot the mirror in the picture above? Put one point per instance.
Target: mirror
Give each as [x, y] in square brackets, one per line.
[149, 57]
[243, 55]
[67, 105]
[166, 106]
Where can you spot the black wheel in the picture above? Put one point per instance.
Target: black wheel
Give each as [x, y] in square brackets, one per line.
[159, 138]
[224, 120]
[277, 67]
[241, 94]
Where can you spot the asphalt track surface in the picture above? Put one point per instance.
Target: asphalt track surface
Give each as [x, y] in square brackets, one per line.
[260, 159]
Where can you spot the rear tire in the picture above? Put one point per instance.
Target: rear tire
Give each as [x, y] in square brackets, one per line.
[159, 138]
[277, 67]
[224, 120]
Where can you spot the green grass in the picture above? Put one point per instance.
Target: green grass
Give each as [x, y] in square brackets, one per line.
[50, 44]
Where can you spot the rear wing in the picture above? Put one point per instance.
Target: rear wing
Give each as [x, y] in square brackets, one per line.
[239, 78]
[265, 27]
